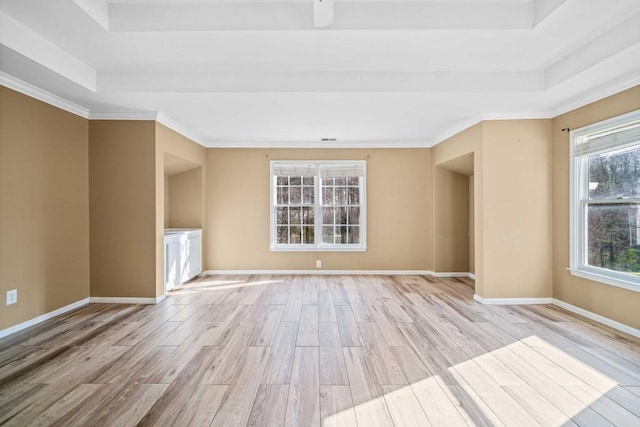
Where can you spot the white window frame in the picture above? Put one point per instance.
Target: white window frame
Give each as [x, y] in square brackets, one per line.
[319, 245]
[579, 190]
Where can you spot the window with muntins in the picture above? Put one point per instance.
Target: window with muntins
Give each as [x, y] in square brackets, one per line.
[318, 205]
[605, 206]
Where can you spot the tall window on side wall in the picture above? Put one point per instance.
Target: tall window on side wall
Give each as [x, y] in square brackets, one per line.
[318, 205]
[605, 208]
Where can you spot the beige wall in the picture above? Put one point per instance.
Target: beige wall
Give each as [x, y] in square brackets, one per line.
[472, 247]
[451, 221]
[122, 208]
[84, 202]
[167, 208]
[399, 226]
[517, 209]
[169, 142]
[127, 204]
[512, 205]
[44, 207]
[615, 303]
[185, 195]
[469, 141]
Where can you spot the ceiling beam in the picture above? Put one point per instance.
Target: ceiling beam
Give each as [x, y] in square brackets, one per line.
[322, 13]
[348, 15]
[98, 10]
[317, 81]
[29, 44]
[542, 9]
[600, 48]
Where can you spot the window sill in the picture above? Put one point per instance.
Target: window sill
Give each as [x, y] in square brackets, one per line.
[606, 279]
[317, 249]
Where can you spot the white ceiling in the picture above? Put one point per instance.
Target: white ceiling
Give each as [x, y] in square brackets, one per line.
[258, 73]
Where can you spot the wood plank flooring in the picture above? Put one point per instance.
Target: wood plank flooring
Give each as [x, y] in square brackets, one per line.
[320, 351]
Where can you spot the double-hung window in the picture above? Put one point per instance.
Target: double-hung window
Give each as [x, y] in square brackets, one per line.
[605, 206]
[318, 205]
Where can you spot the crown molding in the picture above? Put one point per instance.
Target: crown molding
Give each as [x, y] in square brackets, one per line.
[123, 115]
[517, 116]
[457, 128]
[465, 124]
[28, 89]
[164, 120]
[320, 144]
[592, 96]
[42, 95]
[156, 116]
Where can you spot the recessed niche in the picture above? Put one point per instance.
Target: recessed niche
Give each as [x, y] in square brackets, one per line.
[183, 207]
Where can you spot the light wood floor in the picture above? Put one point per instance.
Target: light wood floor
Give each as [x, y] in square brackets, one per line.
[311, 350]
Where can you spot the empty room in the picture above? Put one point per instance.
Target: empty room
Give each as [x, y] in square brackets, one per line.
[320, 213]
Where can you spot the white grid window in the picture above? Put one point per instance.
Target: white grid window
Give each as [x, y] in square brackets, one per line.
[318, 206]
[605, 206]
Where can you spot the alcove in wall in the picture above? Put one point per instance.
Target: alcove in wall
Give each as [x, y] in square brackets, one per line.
[454, 250]
[182, 193]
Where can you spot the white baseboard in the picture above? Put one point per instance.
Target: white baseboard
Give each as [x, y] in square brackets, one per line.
[337, 273]
[596, 317]
[453, 274]
[321, 272]
[42, 318]
[512, 301]
[572, 308]
[126, 300]
[73, 306]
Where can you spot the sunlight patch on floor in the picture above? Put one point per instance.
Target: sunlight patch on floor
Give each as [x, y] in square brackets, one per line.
[218, 285]
[527, 382]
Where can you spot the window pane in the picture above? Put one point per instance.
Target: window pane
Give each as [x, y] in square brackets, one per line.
[295, 216]
[354, 215]
[613, 235]
[354, 196]
[308, 235]
[327, 234]
[295, 194]
[283, 196]
[283, 235]
[282, 216]
[341, 195]
[329, 205]
[328, 215]
[308, 215]
[341, 215]
[327, 195]
[295, 236]
[283, 180]
[615, 175]
[354, 235]
[308, 195]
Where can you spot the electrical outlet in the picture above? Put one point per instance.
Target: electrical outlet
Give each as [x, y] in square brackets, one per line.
[318, 264]
[12, 296]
